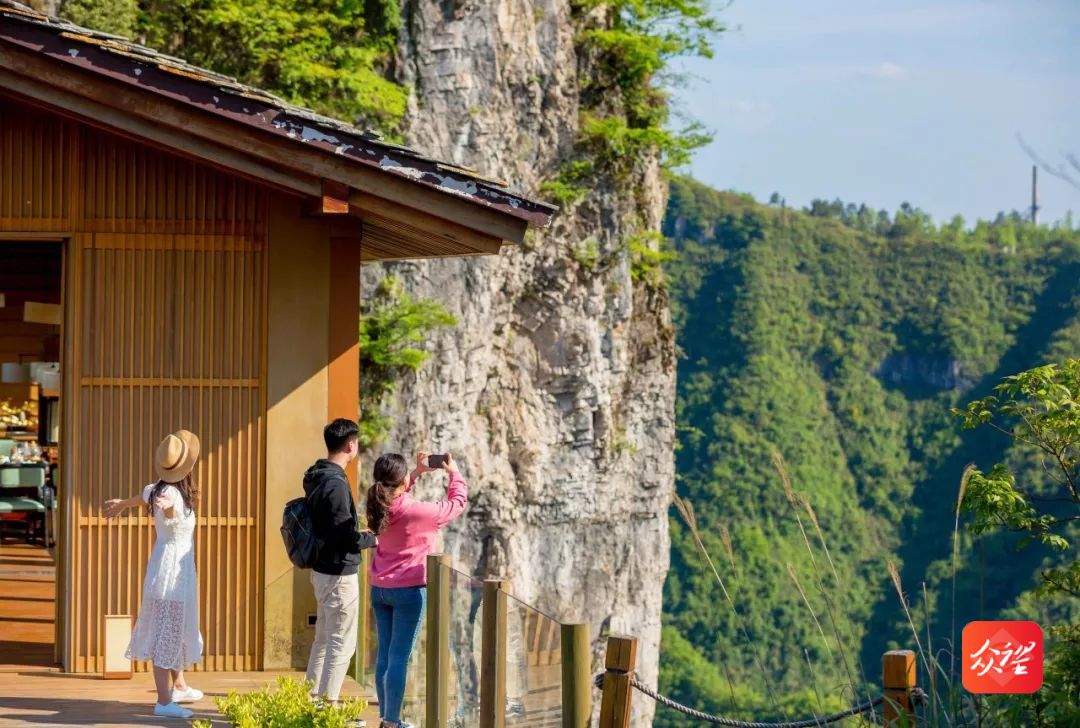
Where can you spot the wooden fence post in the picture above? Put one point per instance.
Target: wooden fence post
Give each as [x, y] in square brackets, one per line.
[615, 701]
[898, 668]
[437, 692]
[493, 656]
[576, 676]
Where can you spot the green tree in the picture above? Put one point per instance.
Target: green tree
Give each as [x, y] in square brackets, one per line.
[843, 343]
[1039, 410]
[112, 16]
[393, 325]
[333, 56]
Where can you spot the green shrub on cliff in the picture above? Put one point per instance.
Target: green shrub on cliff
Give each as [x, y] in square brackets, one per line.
[393, 327]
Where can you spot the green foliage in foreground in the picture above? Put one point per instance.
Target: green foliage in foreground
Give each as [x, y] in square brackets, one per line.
[393, 325]
[284, 705]
[1039, 410]
[840, 340]
[1057, 704]
[329, 55]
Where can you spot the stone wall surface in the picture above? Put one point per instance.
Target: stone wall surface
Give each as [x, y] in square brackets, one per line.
[556, 388]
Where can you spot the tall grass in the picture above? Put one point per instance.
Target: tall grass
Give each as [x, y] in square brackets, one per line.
[964, 477]
[957, 710]
[686, 510]
[799, 503]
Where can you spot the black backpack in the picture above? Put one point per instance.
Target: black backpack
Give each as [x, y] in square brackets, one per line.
[298, 532]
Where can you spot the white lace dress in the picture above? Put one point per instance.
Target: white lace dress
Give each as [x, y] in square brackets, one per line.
[167, 630]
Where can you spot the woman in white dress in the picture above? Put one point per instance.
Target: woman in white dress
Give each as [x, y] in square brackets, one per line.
[167, 630]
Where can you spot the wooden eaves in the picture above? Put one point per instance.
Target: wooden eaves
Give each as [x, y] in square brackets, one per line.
[388, 190]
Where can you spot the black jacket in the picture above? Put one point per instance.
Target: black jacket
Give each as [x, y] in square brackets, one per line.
[333, 515]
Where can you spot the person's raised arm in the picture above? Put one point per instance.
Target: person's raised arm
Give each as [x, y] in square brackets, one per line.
[457, 494]
[420, 469]
[116, 506]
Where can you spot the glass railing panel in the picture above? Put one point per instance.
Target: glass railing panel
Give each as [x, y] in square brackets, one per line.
[466, 637]
[413, 707]
[534, 667]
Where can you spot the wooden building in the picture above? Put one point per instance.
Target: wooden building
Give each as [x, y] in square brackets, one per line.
[209, 238]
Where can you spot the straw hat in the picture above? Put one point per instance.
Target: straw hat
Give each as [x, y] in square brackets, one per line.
[176, 456]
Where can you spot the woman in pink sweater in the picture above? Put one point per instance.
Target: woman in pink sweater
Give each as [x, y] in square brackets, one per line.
[406, 529]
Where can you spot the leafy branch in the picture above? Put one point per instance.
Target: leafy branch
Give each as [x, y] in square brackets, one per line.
[393, 324]
[1039, 408]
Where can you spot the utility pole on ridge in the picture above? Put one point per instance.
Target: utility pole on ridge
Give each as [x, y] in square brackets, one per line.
[1034, 194]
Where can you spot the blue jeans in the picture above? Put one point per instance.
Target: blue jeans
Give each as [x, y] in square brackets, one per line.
[398, 613]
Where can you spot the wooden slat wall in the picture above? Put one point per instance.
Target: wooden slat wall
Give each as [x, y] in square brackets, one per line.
[166, 271]
[35, 190]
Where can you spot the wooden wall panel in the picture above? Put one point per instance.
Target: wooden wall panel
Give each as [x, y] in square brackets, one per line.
[165, 328]
[129, 187]
[172, 337]
[35, 169]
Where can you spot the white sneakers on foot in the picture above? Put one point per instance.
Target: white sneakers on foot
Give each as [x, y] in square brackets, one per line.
[187, 695]
[172, 710]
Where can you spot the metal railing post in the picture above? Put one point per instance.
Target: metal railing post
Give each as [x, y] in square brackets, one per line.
[898, 668]
[617, 692]
[493, 656]
[437, 692]
[576, 675]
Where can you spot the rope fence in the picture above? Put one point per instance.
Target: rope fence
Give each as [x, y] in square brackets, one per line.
[898, 701]
[918, 696]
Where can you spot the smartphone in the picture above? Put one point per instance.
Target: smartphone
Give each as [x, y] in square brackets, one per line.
[436, 461]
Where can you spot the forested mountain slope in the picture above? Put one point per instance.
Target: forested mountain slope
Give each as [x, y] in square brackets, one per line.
[835, 341]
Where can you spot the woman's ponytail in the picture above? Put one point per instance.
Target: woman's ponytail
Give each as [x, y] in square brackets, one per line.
[390, 473]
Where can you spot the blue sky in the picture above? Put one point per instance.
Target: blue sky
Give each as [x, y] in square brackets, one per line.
[887, 101]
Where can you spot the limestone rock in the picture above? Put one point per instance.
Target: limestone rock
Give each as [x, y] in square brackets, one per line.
[556, 389]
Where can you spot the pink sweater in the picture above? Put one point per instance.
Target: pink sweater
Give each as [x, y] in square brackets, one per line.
[400, 559]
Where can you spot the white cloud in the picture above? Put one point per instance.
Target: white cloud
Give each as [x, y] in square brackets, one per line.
[887, 70]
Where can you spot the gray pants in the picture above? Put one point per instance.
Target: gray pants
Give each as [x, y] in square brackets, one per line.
[335, 631]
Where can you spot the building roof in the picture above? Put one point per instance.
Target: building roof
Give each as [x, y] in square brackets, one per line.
[121, 60]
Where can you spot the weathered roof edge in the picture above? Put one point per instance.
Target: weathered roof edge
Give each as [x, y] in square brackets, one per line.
[122, 60]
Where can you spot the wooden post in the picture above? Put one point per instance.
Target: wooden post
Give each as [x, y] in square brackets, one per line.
[576, 676]
[617, 691]
[493, 656]
[437, 681]
[898, 681]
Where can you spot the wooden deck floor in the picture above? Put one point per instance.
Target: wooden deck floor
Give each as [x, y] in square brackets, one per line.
[27, 598]
[44, 698]
[33, 692]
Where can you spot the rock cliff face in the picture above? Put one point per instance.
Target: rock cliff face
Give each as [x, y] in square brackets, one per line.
[556, 388]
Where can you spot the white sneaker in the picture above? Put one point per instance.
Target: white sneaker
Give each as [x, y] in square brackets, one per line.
[172, 710]
[187, 695]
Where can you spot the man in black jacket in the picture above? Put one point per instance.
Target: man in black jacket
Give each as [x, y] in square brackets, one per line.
[334, 576]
